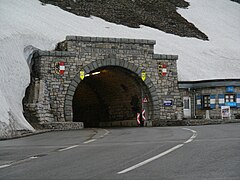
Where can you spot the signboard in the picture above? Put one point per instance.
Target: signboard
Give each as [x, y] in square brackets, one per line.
[167, 103]
[231, 104]
[143, 75]
[138, 118]
[145, 100]
[225, 111]
[143, 114]
[238, 100]
[82, 75]
[229, 89]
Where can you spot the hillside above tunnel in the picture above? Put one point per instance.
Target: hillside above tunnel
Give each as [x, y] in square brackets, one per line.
[159, 14]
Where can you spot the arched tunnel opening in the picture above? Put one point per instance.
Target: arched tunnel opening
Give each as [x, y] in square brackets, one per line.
[110, 95]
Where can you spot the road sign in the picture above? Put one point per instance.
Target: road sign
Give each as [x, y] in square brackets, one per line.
[143, 75]
[138, 118]
[144, 100]
[167, 103]
[230, 89]
[143, 114]
[225, 112]
[82, 75]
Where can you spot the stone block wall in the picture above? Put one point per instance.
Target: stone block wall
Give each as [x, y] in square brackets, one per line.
[90, 53]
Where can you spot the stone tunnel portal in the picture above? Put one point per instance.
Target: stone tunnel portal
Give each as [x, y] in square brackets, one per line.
[110, 96]
[57, 95]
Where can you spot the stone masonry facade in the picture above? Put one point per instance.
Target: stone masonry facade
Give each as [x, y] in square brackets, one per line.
[50, 95]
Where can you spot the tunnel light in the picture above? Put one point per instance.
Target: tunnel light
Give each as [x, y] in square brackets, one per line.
[95, 73]
[92, 74]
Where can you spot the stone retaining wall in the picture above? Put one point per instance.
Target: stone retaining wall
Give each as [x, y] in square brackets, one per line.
[63, 125]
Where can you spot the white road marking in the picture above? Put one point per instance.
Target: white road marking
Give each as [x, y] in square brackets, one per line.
[192, 137]
[60, 150]
[161, 154]
[67, 148]
[33, 157]
[106, 133]
[18, 162]
[150, 160]
[5, 165]
[89, 141]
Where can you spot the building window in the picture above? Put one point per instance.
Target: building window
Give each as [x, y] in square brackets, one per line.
[206, 101]
[229, 98]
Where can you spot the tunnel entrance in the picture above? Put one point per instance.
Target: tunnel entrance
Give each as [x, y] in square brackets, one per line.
[110, 96]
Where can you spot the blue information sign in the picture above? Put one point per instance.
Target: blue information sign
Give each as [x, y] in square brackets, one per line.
[231, 104]
[229, 89]
[167, 103]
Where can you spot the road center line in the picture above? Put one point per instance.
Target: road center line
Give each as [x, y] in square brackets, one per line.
[5, 165]
[150, 160]
[105, 134]
[161, 154]
[192, 137]
[67, 148]
[89, 141]
[18, 162]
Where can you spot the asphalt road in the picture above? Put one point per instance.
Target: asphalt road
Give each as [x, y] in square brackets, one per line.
[199, 152]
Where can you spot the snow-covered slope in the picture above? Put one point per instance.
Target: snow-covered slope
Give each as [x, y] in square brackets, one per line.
[27, 22]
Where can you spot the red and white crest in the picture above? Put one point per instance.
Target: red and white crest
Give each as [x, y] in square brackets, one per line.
[60, 67]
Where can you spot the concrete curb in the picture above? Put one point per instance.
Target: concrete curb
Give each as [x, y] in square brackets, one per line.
[26, 134]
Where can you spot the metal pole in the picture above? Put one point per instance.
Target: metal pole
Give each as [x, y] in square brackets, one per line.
[141, 106]
[194, 104]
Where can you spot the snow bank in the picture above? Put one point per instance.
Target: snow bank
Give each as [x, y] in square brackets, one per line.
[28, 22]
[220, 57]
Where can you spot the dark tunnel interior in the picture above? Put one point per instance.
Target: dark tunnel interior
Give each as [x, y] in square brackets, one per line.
[107, 94]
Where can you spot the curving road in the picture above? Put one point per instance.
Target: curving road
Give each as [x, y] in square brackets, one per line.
[200, 152]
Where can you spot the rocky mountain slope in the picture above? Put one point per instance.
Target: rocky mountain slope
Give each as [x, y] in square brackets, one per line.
[159, 14]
